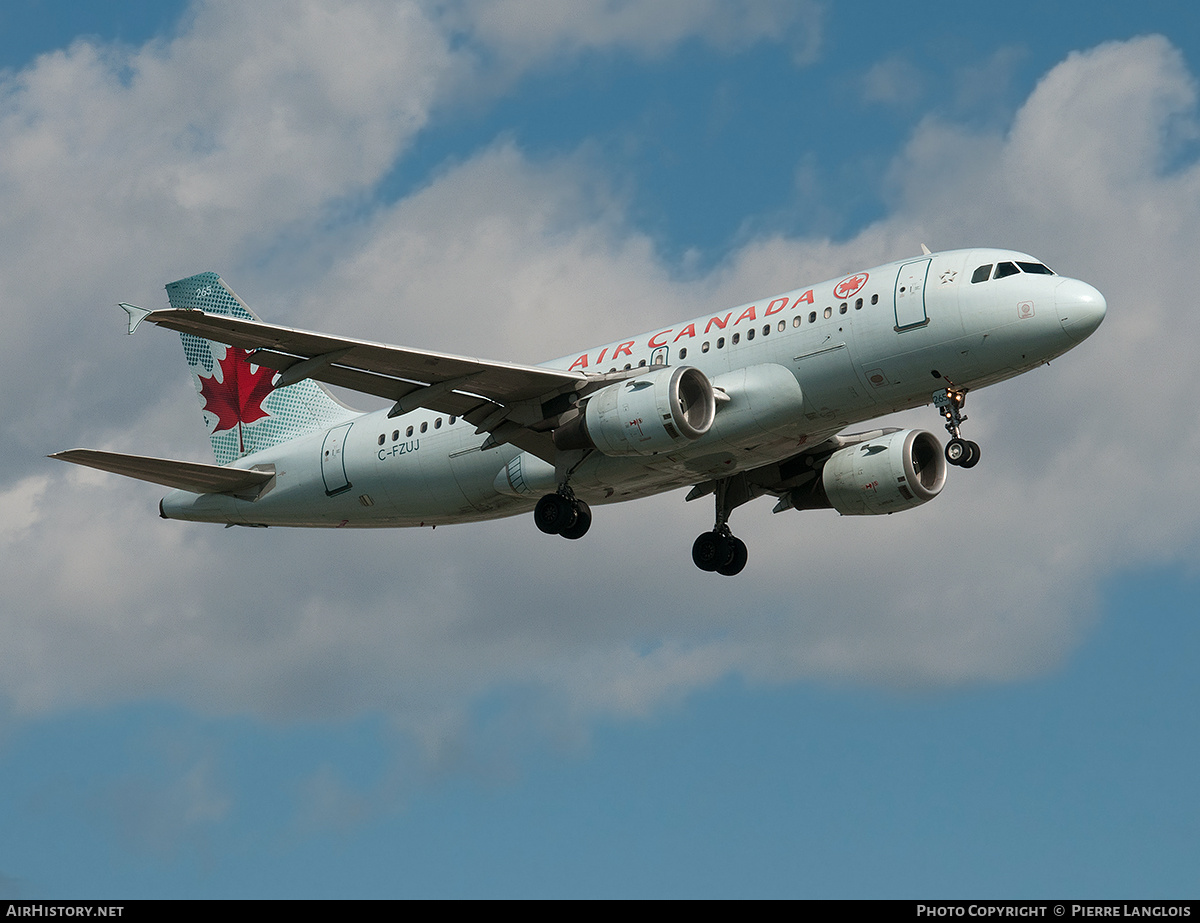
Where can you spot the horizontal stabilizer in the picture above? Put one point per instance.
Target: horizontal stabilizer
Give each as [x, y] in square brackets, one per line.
[190, 476]
[136, 315]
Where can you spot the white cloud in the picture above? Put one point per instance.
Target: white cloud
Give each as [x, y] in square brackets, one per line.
[177, 807]
[894, 81]
[253, 122]
[18, 507]
[530, 31]
[501, 256]
[237, 130]
[185, 153]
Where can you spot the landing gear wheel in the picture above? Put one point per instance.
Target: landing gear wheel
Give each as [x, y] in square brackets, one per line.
[554, 514]
[958, 452]
[583, 521]
[707, 553]
[738, 556]
[974, 459]
[720, 552]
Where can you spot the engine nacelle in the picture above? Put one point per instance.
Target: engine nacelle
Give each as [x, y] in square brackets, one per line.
[653, 413]
[894, 472]
[765, 401]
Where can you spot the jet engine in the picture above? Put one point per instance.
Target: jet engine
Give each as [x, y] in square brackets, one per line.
[895, 472]
[652, 413]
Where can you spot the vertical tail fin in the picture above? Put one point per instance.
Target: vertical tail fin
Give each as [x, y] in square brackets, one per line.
[243, 410]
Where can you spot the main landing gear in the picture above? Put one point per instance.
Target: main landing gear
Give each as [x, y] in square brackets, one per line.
[720, 551]
[959, 451]
[563, 514]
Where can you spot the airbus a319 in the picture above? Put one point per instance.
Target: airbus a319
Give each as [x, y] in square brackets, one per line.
[747, 402]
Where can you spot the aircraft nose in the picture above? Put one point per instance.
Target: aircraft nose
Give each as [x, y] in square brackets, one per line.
[1081, 308]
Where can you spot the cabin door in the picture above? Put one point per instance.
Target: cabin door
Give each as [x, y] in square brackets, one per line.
[333, 460]
[910, 295]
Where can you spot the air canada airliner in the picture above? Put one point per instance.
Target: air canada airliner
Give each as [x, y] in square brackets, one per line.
[746, 402]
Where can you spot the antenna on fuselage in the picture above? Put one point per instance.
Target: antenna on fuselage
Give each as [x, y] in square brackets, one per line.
[925, 250]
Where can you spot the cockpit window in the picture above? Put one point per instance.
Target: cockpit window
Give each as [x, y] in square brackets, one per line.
[1005, 269]
[982, 273]
[1036, 269]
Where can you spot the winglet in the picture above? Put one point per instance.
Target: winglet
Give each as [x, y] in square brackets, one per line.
[136, 315]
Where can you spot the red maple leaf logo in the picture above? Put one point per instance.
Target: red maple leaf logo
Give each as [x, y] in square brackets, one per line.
[238, 398]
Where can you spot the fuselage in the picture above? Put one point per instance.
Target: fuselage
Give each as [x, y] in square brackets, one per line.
[798, 368]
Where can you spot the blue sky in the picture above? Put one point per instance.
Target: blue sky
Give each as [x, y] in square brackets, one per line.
[989, 696]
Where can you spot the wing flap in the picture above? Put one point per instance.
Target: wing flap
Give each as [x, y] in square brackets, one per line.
[190, 476]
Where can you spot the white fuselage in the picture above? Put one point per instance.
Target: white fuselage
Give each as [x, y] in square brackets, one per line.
[858, 347]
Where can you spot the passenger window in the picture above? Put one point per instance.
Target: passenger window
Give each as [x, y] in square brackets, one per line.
[1005, 269]
[749, 335]
[408, 433]
[642, 364]
[683, 353]
[982, 273]
[858, 304]
[452, 419]
[628, 366]
[874, 299]
[783, 325]
[425, 427]
[828, 313]
[395, 435]
[381, 438]
[842, 309]
[812, 317]
[720, 342]
[704, 346]
[797, 320]
[437, 424]
[736, 337]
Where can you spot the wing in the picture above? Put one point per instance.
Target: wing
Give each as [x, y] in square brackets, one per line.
[514, 403]
[189, 476]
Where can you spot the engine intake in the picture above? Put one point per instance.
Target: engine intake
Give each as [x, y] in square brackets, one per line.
[897, 471]
[652, 413]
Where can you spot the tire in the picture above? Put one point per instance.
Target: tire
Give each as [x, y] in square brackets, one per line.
[706, 551]
[737, 560]
[957, 450]
[583, 522]
[553, 514]
[974, 459]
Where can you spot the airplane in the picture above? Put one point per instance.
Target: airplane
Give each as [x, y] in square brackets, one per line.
[747, 402]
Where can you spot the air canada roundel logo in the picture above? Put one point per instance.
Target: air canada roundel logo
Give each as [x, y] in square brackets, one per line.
[849, 286]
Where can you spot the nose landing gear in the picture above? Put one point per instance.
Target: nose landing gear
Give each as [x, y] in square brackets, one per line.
[959, 451]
